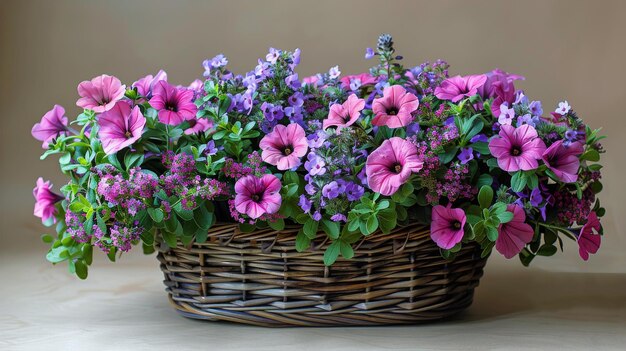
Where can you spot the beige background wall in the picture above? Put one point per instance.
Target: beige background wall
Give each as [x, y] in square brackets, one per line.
[566, 49]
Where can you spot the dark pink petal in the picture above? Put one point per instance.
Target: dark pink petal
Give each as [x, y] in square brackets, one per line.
[442, 229]
[514, 235]
[589, 239]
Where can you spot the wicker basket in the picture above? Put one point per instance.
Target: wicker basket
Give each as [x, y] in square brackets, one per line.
[259, 278]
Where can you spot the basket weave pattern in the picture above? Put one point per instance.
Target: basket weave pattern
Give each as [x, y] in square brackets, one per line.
[259, 278]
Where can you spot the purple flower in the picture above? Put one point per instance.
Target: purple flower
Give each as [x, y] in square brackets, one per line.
[219, 61]
[295, 58]
[520, 98]
[535, 197]
[526, 119]
[563, 108]
[369, 53]
[535, 108]
[315, 165]
[317, 216]
[334, 72]
[297, 99]
[210, 148]
[292, 81]
[52, 124]
[305, 204]
[273, 55]
[310, 189]
[338, 217]
[479, 138]
[506, 114]
[331, 190]
[354, 191]
[412, 129]
[466, 155]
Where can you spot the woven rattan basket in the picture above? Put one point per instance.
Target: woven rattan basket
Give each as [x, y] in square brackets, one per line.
[259, 278]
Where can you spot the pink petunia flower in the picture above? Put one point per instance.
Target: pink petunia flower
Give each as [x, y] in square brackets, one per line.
[391, 165]
[198, 125]
[563, 160]
[446, 228]
[517, 148]
[394, 109]
[146, 84]
[344, 115]
[45, 201]
[357, 80]
[457, 88]
[53, 124]
[514, 235]
[500, 87]
[589, 239]
[120, 127]
[258, 196]
[174, 105]
[284, 146]
[101, 93]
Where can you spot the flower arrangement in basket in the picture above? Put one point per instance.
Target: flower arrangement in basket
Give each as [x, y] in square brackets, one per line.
[330, 159]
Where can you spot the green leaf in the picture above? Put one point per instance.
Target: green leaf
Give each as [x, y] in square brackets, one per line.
[370, 225]
[505, 217]
[492, 233]
[331, 228]
[547, 250]
[156, 214]
[332, 252]
[310, 228]
[203, 218]
[481, 147]
[518, 181]
[485, 196]
[448, 155]
[302, 242]
[278, 224]
[47, 238]
[81, 269]
[346, 250]
[591, 155]
[170, 238]
[484, 179]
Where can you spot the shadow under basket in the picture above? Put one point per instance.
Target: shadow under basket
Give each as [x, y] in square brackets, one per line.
[259, 278]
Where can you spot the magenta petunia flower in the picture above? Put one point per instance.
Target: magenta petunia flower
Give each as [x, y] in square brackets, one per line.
[120, 127]
[53, 124]
[391, 165]
[394, 109]
[514, 235]
[174, 105]
[344, 115]
[458, 88]
[284, 146]
[446, 228]
[589, 239]
[257, 196]
[45, 201]
[500, 87]
[517, 148]
[146, 84]
[198, 125]
[563, 160]
[101, 93]
[357, 80]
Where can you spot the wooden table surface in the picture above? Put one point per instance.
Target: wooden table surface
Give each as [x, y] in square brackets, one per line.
[123, 306]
